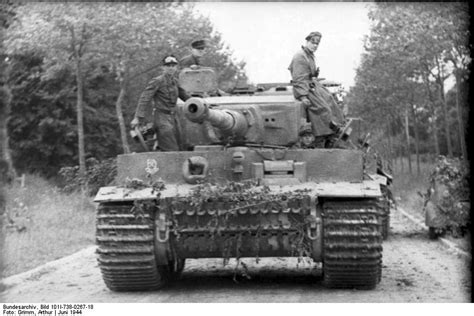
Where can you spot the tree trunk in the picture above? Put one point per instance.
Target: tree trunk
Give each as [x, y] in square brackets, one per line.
[402, 163]
[80, 121]
[417, 140]
[118, 108]
[435, 137]
[407, 132]
[462, 139]
[7, 172]
[80, 110]
[440, 83]
[446, 122]
[432, 107]
[390, 145]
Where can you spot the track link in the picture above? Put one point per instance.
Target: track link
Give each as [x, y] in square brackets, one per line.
[385, 217]
[385, 204]
[352, 239]
[126, 248]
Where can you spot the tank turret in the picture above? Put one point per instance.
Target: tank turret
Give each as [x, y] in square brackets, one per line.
[229, 122]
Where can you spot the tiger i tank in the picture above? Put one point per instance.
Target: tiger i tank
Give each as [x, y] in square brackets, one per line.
[245, 188]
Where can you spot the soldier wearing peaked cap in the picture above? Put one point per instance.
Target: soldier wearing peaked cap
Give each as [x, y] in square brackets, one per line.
[197, 52]
[163, 91]
[321, 108]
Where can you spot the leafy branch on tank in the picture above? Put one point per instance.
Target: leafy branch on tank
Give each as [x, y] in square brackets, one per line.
[138, 184]
[244, 196]
[139, 207]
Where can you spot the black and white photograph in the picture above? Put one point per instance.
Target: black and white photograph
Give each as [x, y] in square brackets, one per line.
[234, 152]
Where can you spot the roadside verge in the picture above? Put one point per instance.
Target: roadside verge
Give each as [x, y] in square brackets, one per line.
[419, 222]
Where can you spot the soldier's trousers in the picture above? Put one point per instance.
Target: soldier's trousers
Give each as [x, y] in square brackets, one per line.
[168, 130]
[323, 110]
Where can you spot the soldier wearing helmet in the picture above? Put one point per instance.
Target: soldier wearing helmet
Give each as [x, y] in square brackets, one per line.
[163, 91]
[320, 106]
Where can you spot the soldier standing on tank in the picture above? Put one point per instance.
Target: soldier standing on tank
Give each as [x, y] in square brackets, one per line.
[194, 60]
[163, 91]
[321, 108]
[198, 49]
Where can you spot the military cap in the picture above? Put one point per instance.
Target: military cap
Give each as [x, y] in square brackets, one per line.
[313, 34]
[170, 60]
[305, 129]
[198, 44]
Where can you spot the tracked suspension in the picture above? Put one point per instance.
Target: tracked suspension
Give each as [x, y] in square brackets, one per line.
[125, 239]
[142, 246]
[352, 254]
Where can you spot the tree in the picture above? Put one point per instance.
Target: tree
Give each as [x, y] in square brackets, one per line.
[65, 35]
[118, 47]
[458, 55]
[7, 172]
[406, 65]
[134, 33]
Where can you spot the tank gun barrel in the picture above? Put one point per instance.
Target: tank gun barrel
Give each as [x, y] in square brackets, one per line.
[227, 121]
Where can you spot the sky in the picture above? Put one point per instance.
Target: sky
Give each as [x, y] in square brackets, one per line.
[266, 35]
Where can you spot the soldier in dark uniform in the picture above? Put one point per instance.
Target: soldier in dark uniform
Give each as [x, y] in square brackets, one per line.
[321, 108]
[198, 48]
[163, 91]
[306, 137]
[194, 60]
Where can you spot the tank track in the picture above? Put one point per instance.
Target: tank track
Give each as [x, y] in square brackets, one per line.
[125, 239]
[385, 205]
[352, 244]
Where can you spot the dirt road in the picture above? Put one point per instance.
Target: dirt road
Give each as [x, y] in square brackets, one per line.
[415, 269]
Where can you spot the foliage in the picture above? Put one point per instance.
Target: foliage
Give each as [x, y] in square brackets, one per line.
[43, 133]
[410, 53]
[98, 174]
[121, 45]
[225, 202]
[453, 175]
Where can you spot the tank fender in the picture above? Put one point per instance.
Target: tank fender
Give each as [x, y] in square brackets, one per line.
[364, 189]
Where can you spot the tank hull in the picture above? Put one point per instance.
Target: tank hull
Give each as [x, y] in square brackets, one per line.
[275, 210]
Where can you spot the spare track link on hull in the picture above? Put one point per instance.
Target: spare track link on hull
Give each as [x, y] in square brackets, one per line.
[125, 239]
[352, 253]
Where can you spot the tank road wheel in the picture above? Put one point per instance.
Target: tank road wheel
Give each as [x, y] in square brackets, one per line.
[125, 240]
[352, 244]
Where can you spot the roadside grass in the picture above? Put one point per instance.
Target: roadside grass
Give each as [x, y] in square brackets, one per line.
[406, 186]
[43, 224]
